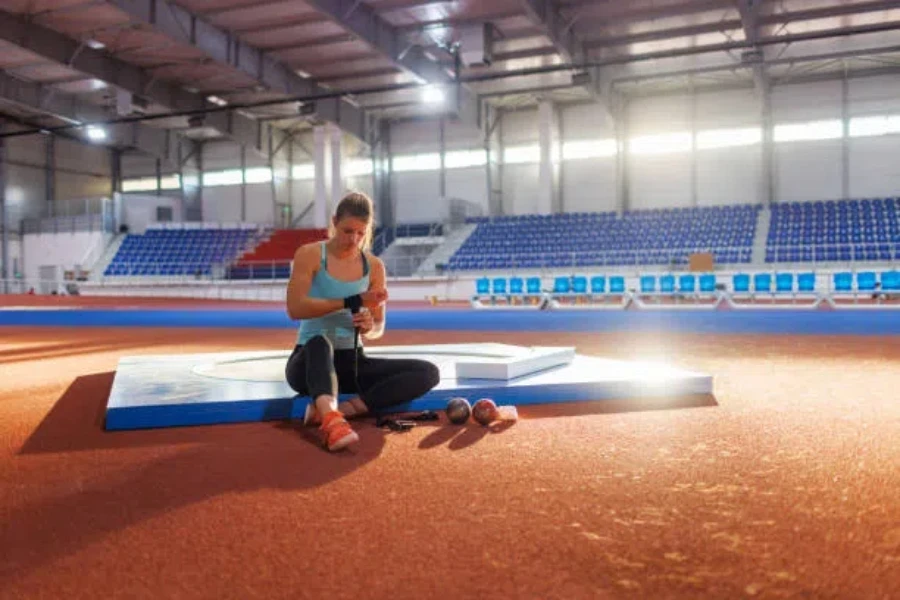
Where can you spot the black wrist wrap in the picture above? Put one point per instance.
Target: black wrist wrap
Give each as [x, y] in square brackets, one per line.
[354, 303]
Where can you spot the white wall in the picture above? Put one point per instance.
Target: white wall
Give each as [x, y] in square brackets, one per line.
[589, 185]
[26, 196]
[260, 207]
[302, 195]
[728, 109]
[808, 171]
[802, 170]
[469, 184]
[65, 250]
[222, 204]
[25, 193]
[138, 211]
[874, 168]
[415, 137]
[416, 197]
[520, 189]
[729, 176]
[83, 171]
[520, 127]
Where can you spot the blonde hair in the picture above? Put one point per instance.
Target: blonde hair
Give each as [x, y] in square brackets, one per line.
[359, 206]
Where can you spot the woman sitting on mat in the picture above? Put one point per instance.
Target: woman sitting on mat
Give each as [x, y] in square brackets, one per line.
[335, 287]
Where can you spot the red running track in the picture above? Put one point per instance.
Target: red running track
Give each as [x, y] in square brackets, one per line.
[782, 485]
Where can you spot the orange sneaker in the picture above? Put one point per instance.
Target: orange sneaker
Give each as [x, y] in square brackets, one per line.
[337, 432]
[311, 416]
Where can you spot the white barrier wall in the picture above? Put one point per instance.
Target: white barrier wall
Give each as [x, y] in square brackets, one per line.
[139, 211]
[62, 250]
[412, 289]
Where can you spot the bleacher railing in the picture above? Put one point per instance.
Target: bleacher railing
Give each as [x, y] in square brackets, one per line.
[395, 266]
[834, 252]
[188, 270]
[677, 257]
[73, 215]
[557, 260]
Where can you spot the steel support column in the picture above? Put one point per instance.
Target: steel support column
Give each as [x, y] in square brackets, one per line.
[4, 225]
[767, 172]
[845, 138]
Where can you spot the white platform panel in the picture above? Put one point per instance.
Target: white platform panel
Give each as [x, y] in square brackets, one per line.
[195, 389]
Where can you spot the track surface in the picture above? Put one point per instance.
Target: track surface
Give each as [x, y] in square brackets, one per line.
[783, 485]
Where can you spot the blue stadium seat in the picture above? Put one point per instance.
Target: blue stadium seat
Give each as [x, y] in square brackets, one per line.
[598, 284]
[483, 286]
[687, 284]
[579, 284]
[890, 281]
[533, 285]
[561, 285]
[708, 282]
[647, 237]
[843, 282]
[648, 284]
[616, 284]
[865, 281]
[806, 282]
[784, 282]
[848, 230]
[762, 282]
[499, 286]
[167, 252]
[516, 286]
[667, 284]
[741, 283]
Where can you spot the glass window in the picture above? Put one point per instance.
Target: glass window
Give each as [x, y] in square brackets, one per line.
[728, 138]
[813, 130]
[662, 144]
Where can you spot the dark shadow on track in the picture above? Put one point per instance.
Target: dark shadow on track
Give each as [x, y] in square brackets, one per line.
[201, 463]
[573, 409]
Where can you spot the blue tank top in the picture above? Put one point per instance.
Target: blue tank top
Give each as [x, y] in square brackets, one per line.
[337, 327]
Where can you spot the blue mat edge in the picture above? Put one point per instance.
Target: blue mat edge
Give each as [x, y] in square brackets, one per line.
[868, 322]
[247, 411]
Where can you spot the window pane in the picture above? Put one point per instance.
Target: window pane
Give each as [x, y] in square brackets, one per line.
[170, 182]
[814, 130]
[588, 149]
[662, 144]
[358, 167]
[258, 175]
[144, 184]
[214, 178]
[465, 158]
[522, 154]
[417, 162]
[727, 138]
[304, 171]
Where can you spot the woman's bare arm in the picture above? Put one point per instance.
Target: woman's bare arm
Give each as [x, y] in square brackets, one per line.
[299, 304]
[377, 281]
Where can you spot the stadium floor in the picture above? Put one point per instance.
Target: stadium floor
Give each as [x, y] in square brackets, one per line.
[783, 485]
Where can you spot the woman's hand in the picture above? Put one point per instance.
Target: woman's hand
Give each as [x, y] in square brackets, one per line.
[364, 321]
[374, 298]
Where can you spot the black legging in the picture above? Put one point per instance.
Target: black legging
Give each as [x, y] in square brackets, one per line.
[316, 369]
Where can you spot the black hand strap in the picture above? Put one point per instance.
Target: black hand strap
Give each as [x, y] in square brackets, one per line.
[354, 303]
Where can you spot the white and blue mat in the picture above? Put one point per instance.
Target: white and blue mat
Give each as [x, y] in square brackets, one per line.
[232, 387]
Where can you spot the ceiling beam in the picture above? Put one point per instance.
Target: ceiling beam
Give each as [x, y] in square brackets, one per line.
[62, 49]
[775, 81]
[34, 97]
[749, 14]
[749, 10]
[737, 66]
[546, 15]
[364, 22]
[225, 48]
[625, 12]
